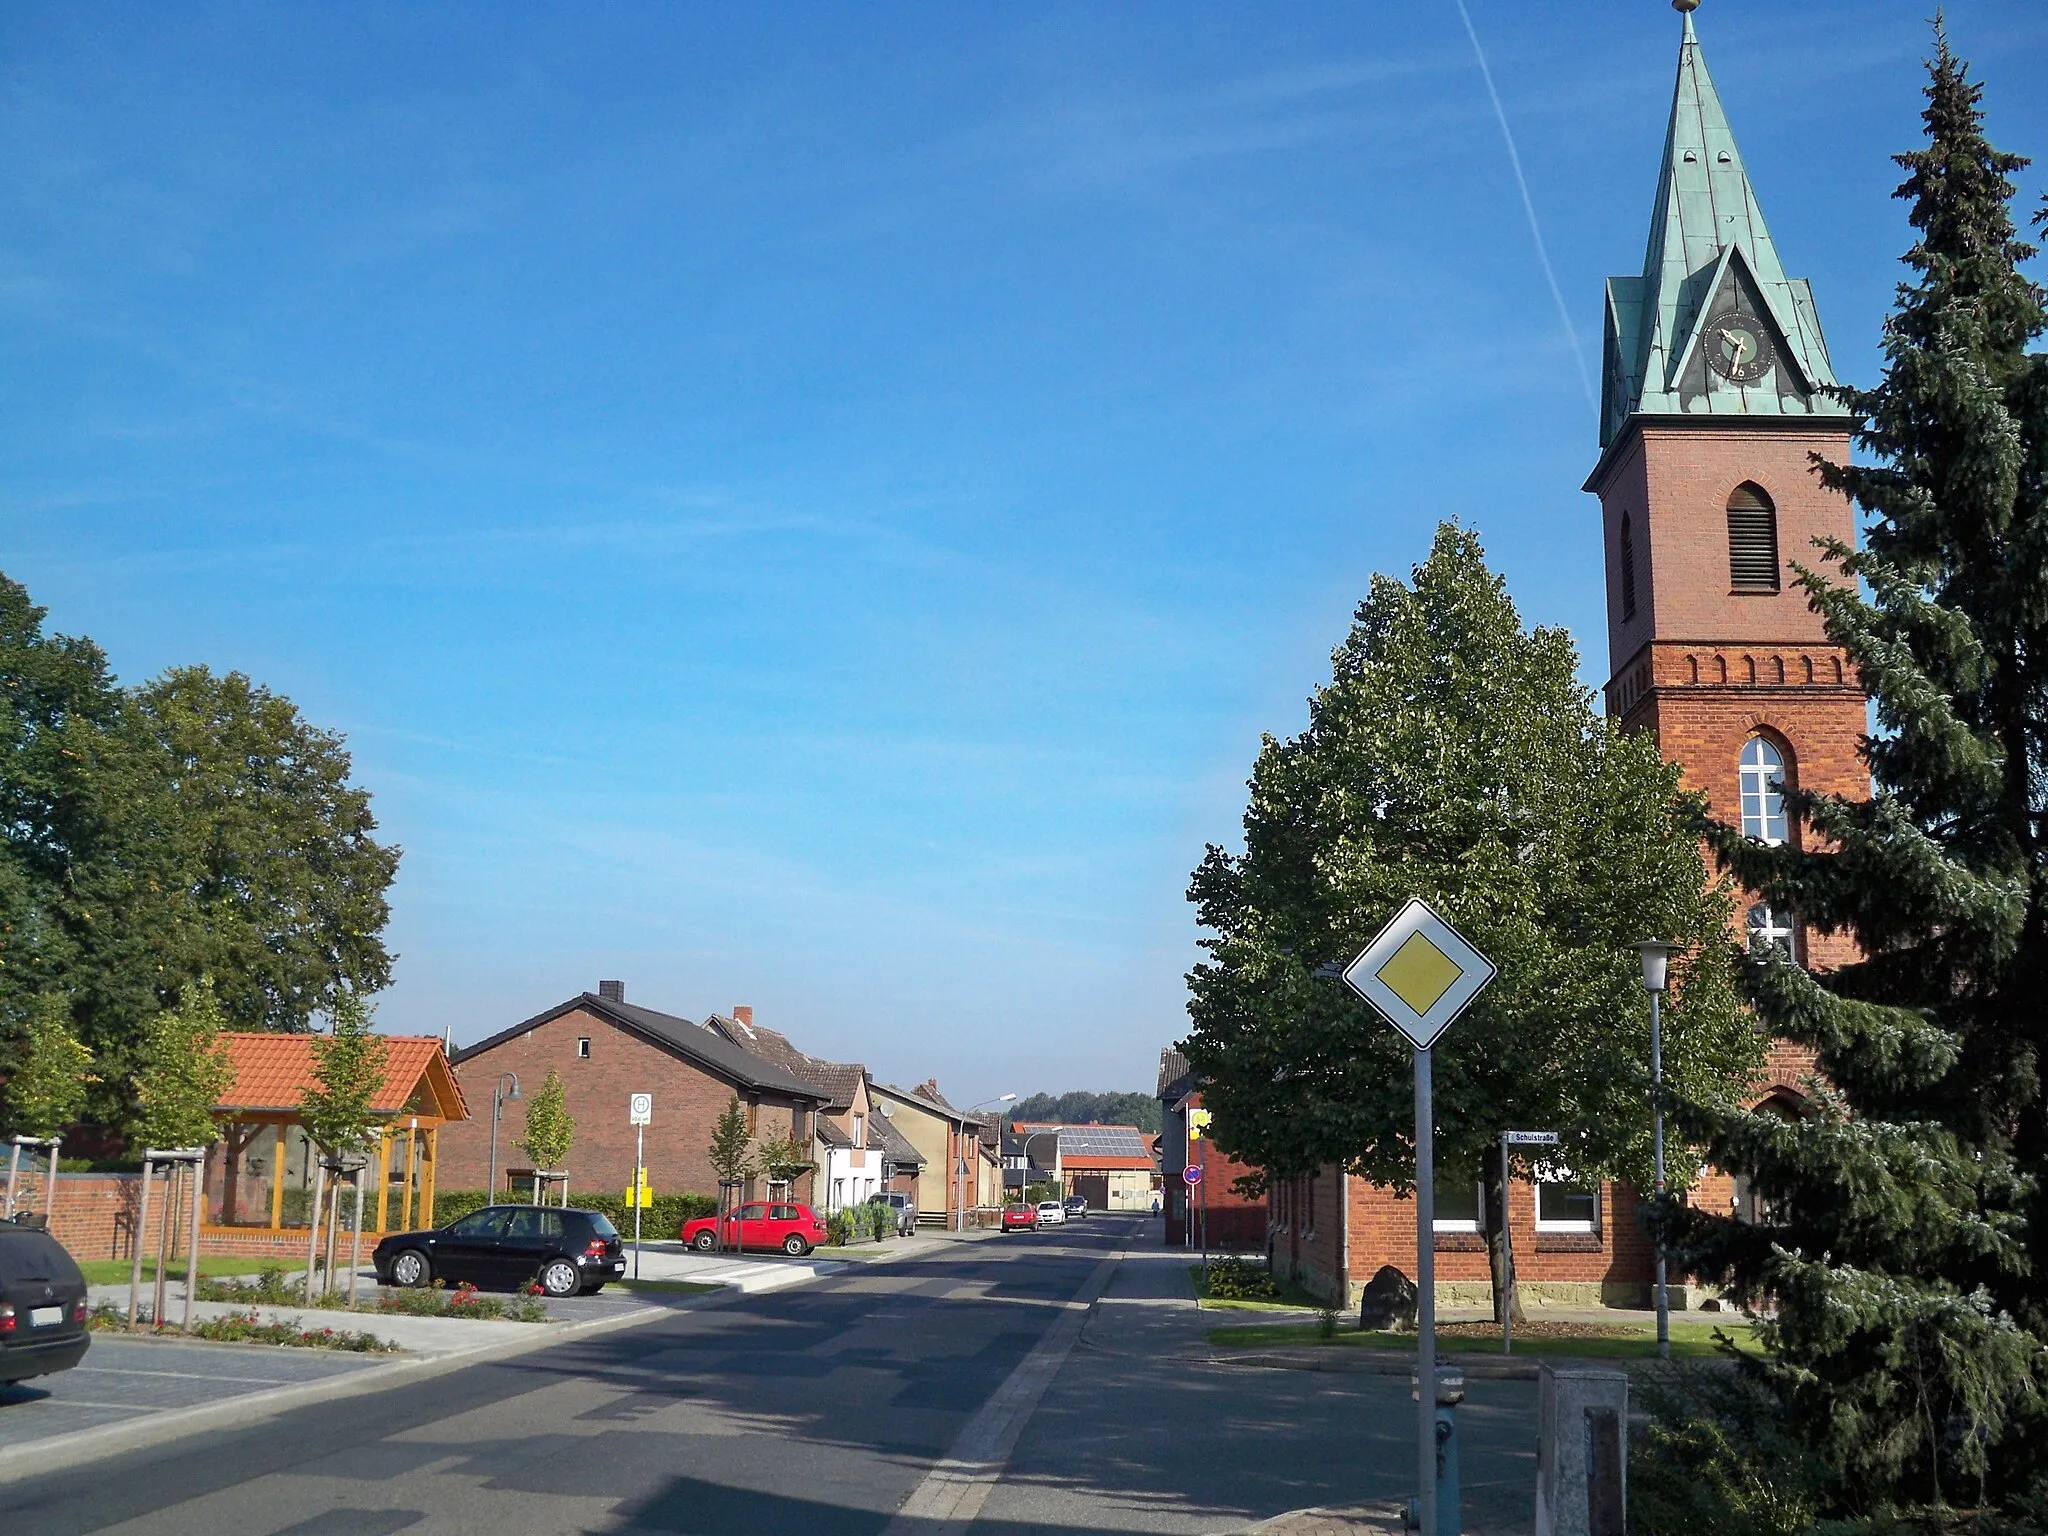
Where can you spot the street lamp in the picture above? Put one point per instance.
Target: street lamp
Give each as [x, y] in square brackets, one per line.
[1656, 965]
[1029, 1136]
[1001, 1098]
[498, 1098]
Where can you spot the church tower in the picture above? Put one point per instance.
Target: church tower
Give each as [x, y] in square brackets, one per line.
[1711, 405]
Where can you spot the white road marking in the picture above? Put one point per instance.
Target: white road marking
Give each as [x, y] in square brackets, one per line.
[952, 1493]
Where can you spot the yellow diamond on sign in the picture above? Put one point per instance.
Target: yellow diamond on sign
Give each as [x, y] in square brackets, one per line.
[1419, 973]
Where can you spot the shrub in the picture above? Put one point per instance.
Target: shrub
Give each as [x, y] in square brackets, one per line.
[839, 1229]
[880, 1218]
[249, 1328]
[1241, 1280]
[661, 1220]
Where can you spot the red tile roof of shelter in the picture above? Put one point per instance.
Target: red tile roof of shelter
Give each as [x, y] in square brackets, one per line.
[273, 1072]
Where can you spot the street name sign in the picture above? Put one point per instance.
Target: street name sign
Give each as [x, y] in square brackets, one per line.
[640, 1109]
[1529, 1138]
[1192, 1173]
[1420, 973]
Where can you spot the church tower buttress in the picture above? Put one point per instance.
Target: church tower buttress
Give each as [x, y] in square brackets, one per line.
[1712, 402]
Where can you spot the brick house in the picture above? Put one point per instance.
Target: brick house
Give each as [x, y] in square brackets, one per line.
[1713, 402]
[607, 1049]
[852, 1162]
[1236, 1222]
[945, 1138]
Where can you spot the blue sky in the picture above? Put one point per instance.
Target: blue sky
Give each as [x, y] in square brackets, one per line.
[815, 506]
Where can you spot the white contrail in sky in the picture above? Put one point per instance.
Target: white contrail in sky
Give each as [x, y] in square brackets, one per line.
[1529, 207]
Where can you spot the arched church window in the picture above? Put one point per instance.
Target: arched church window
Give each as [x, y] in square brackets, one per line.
[1752, 540]
[1762, 783]
[1628, 566]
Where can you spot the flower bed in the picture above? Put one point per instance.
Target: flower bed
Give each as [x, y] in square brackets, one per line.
[248, 1328]
[273, 1289]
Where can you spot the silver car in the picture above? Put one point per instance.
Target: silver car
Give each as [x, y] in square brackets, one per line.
[904, 1207]
[1051, 1214]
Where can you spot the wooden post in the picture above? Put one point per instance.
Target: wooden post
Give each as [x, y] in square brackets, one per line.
[412, 1134]
[383, 1177]
[192, 1250]
[355, 1236]
[135, 1245]
[428, 1173]
[163, 1244]
[313, 1224]
[277, 1178]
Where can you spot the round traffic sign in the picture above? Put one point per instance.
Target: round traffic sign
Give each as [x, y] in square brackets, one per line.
[1192, 1173]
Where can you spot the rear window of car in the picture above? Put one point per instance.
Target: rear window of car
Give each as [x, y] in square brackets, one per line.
[27, 1255]
[601, 1224]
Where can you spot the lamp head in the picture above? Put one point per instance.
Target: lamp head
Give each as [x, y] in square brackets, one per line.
[1656, 955]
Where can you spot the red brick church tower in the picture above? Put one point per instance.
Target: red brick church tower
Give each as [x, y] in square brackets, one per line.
[1712, 404]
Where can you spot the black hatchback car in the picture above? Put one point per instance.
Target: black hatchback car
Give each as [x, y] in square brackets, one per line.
[42, 1305]
[566, 1252]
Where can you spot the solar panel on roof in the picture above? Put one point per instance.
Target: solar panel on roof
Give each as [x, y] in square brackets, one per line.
[1102, 1141]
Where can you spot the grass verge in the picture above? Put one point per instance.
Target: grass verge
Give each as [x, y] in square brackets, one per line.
[1689, 1341]
[116, 1271]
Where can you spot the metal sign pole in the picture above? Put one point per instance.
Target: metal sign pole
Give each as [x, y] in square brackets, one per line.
[1507, 1259]
[639, 1189]
[1425, 1297]
[1657, 1120]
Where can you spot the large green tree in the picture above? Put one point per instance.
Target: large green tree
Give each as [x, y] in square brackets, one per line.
[1455, 756]
[195, 825]
[1904, 1235]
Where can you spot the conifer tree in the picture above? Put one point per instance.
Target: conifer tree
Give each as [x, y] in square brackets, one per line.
[1903, 1234]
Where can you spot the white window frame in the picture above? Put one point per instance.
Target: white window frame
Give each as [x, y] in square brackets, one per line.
[583, 1047]
[1459, 1223]
[1565, 1176]
[1776, 926]
[1762, 785]
[860, 1130]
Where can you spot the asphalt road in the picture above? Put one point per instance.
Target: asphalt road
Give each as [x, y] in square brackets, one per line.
[826, 1410]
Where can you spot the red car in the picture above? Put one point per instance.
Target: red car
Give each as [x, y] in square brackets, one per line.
[1020, 1218]
[784, 1224]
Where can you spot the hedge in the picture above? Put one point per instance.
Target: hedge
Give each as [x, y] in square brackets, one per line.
[662, 1219]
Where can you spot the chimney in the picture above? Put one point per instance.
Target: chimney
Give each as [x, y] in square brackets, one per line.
[612, 991]
[743, 1013]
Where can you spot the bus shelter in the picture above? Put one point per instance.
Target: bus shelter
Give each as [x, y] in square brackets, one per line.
[259, 1175]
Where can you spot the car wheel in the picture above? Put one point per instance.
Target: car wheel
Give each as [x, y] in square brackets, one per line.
[795, 1246]
[558, 1277]
[704, 1242]
[410, 1269]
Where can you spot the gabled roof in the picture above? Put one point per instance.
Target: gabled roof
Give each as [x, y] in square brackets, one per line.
[273, 1073]
[1175, 1078]
[927, 1096]
[896, 1147]
[837, 1080]
[1709, 249]
[693, 1043]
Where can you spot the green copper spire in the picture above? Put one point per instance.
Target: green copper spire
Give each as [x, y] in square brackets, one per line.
[1713, 327]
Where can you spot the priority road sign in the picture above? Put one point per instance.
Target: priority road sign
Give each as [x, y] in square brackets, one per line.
[1420, 973]
[640, 1109]
[1192, 1173]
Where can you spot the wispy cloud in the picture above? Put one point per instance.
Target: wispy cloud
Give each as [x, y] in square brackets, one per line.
[1564, 314]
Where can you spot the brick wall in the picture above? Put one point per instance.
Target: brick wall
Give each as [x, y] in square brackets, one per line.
[1230, 1227]
[687, 1101]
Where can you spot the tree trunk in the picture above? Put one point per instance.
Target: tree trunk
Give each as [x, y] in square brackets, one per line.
[1496, 1243]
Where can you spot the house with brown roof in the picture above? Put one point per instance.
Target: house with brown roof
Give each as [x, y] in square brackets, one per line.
[852, 1161]
[960, 1171]
[606, 1050]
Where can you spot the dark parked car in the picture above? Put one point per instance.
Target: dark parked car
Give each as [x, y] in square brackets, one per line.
[1077, 1207]
[565, 1252]
[42, 1305]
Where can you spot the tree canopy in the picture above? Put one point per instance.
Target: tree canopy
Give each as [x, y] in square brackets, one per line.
[550, 1129]
[1455, 756]
[348, 1069]
[1903, 1218]
[1080, 1107]
[194, 825]
[185, 1073]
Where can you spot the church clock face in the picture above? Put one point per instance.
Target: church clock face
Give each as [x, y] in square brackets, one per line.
[1738, 346]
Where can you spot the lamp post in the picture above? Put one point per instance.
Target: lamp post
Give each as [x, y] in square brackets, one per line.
[498, 1098]
[1029, 1136]
[1656, 956]
[1001, 1098]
